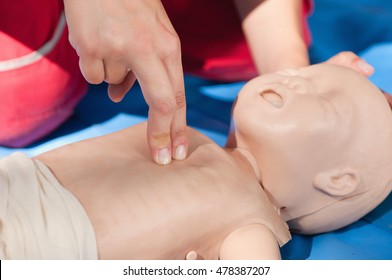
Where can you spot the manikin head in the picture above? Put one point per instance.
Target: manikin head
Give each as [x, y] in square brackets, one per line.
[322, 139]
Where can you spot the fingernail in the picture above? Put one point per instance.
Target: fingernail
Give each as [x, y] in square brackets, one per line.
[180, 153]
[365, 67]
[164, 156]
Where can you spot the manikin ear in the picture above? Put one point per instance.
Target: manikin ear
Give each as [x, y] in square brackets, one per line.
[337, 182]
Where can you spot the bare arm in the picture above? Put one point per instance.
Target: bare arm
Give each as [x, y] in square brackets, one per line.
[273, 29]
[255, 242]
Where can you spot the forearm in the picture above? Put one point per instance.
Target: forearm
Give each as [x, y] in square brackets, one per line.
[274, 32]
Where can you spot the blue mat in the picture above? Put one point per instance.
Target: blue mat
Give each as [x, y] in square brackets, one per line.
[364, 27]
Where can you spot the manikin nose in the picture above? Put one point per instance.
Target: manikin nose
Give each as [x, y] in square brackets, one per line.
[298, 84]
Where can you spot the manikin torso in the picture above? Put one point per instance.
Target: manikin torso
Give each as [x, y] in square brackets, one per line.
[140, 210]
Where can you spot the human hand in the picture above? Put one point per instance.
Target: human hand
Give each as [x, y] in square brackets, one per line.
[121, 41]
[351, 60]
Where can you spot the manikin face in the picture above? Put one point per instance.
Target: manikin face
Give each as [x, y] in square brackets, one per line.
[300, 122]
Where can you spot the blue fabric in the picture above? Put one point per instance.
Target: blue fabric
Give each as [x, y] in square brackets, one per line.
[364, 27]
[352, 25]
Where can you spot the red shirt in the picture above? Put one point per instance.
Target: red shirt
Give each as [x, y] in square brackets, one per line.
[39, 89]
[213, 44]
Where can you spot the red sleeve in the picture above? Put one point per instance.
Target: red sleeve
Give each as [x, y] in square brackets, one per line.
[306, 12]
[212, 41]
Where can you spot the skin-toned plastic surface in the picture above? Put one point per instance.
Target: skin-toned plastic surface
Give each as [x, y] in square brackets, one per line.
[141, 210]
[311, 143]
[322, 137]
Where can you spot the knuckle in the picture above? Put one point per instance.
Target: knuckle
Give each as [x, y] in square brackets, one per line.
[88, 48]
[164, 107]
[180, 99]
[172, 46]
[174, 41]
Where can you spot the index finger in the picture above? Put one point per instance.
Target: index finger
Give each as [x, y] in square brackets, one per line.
[179, 135]
[158, 93]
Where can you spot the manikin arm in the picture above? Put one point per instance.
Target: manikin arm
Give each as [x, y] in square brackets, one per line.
[252, 242]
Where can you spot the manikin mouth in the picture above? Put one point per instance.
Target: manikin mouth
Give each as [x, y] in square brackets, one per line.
[272, 97]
